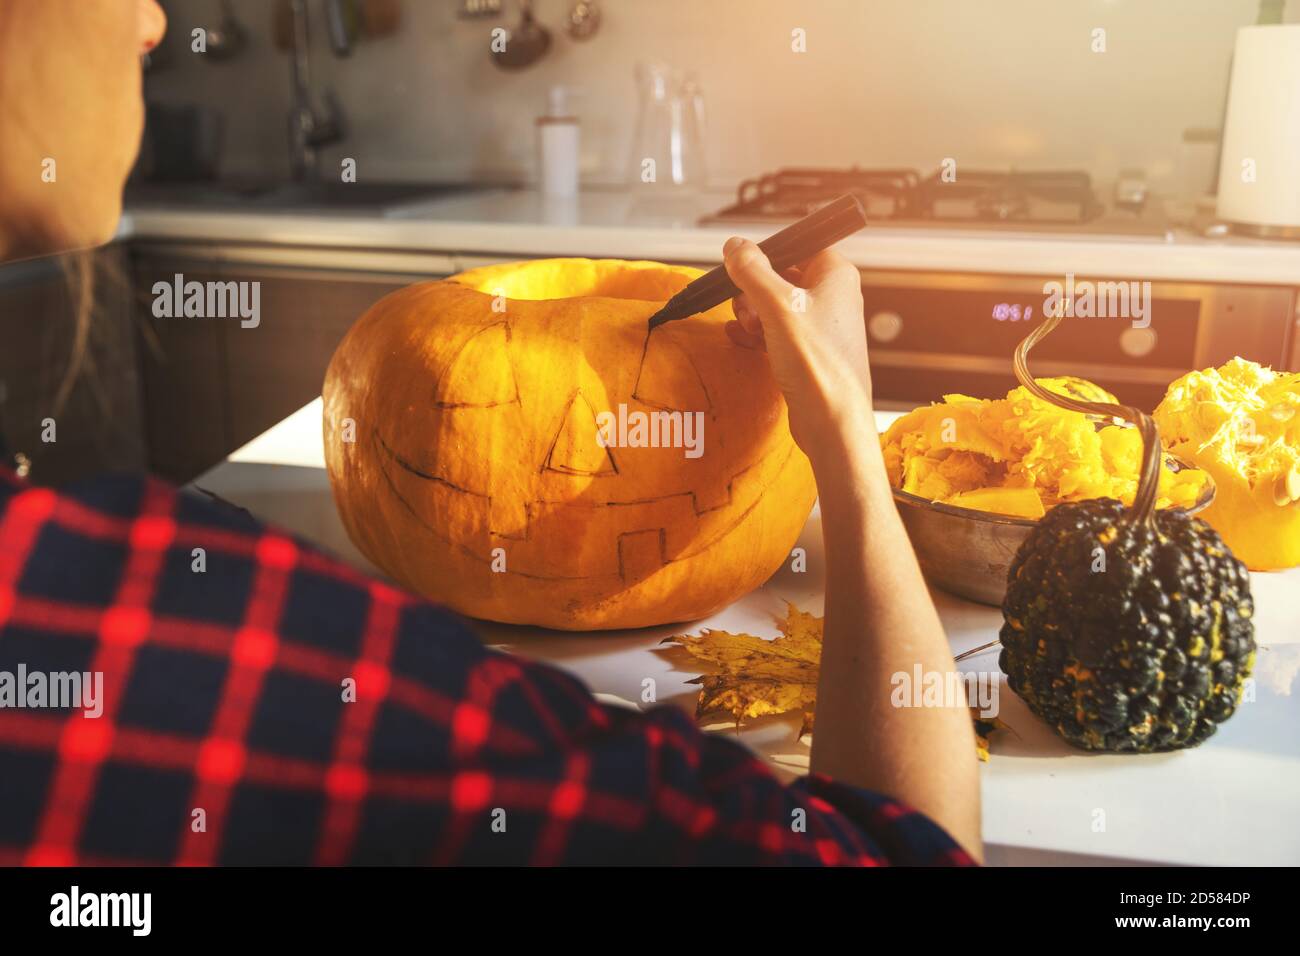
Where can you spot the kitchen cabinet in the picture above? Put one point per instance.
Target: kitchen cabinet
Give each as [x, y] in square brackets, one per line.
[182, 371]
[210, 384]
[276, 367]
[99, 427]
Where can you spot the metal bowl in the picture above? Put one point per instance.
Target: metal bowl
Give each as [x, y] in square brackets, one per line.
[969, 552]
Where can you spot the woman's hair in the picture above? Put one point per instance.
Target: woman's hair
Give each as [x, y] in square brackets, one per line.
[79, 268]
[81, 380]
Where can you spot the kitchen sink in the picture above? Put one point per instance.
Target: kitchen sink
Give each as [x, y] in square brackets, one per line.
[327, 196]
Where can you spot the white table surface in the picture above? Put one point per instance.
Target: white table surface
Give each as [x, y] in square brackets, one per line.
[1234, 800]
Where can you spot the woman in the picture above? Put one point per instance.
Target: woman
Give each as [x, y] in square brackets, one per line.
[224, 736]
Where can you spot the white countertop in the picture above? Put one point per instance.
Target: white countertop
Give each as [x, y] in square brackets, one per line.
[610, 223]
[1231, 801]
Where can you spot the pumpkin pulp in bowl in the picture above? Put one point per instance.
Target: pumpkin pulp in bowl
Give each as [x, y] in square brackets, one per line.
[1019, 456]
[973, 477]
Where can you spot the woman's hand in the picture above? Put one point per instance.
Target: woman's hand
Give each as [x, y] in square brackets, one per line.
[880, 621]
[811, 323]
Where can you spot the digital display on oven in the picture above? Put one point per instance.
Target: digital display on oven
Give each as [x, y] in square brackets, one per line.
[1013, 312]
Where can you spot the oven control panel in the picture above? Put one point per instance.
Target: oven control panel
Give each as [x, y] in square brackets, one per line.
[934, 333]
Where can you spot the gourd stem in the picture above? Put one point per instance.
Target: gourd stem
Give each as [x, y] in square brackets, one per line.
[1144, 501]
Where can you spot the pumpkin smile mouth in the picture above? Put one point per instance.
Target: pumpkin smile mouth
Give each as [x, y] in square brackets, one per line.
[699, 506]
[389, 455]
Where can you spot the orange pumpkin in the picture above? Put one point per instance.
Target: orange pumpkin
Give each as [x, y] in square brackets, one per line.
[482, 440]
[1241, 423]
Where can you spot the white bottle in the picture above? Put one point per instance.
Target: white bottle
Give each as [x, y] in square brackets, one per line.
[557, 146]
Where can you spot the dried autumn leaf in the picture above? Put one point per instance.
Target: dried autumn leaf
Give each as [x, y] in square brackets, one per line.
[984, 727]
[751, 698]
[754, 677]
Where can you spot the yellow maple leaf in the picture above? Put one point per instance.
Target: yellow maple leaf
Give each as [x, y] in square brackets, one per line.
[983, 727]
[754, 677]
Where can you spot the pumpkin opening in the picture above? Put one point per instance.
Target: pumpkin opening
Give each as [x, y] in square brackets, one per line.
[577, 278]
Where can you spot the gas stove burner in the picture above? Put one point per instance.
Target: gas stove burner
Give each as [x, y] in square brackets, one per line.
[1000, 205]
[1033, 201]
[794, 193]
[1043, 197]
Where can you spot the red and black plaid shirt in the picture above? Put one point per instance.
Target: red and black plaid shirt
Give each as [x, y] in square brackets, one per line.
[231, 733]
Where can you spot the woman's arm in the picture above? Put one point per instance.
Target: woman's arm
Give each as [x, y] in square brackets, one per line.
[880, 620]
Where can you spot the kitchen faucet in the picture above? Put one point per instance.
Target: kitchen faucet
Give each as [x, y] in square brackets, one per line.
[309, 130]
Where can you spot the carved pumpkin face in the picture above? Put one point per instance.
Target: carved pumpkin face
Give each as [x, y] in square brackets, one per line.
[523, 450]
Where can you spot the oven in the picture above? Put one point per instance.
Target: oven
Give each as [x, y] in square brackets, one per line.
[931, 334]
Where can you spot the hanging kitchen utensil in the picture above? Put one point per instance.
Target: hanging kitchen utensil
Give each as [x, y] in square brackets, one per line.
[524, 45]
[583, 20]
[282, 26]
[343, 24]
[475, 9]
[380, 18]
[228, 38]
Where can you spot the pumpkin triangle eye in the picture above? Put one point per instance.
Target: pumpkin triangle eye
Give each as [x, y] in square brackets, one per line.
[668, 378]
[575, 449]
[482, 374]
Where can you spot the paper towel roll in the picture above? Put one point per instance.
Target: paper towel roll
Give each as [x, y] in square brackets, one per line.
[1259, 175]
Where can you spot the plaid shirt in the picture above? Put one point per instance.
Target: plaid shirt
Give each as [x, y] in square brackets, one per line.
[265, 704]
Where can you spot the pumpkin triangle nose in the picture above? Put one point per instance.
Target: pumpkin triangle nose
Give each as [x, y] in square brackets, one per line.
[576, 449]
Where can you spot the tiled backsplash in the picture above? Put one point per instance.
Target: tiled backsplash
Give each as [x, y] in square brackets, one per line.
[995, 83]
